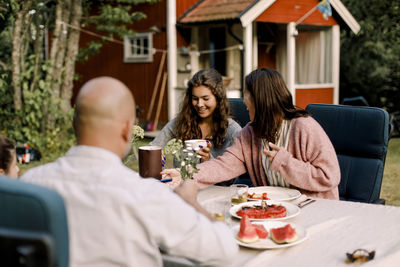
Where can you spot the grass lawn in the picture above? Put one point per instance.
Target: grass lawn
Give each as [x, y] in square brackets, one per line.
[391, 178]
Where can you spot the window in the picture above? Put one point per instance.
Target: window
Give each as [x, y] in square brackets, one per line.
[138, 48]
[314, 57]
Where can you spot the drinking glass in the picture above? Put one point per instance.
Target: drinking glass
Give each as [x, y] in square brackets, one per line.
[238, 193]
[219, 207]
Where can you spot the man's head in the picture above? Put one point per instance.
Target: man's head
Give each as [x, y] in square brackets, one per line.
[104, 115]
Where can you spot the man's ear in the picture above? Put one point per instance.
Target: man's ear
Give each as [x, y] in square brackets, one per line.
[127, 131]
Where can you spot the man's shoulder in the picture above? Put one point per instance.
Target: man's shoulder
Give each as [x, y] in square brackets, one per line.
[39, 170]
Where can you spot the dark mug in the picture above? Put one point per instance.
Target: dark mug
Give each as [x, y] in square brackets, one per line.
[150, 161]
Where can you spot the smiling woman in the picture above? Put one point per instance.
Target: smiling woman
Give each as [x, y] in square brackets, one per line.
[204, 114]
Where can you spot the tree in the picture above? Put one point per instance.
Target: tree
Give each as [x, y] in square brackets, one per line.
[36, 83]
[370, 60]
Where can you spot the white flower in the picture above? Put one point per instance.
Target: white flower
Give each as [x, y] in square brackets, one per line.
[183, 163]
[197, 149]
[198, 156]
[190, 154]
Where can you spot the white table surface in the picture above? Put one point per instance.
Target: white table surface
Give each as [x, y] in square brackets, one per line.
[334, 229]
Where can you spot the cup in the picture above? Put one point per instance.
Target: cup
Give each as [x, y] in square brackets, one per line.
[218, 208]
[195, 143]
[150, 161]
[238, 193]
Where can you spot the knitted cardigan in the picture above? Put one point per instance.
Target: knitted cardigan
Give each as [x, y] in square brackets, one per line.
[310, 164]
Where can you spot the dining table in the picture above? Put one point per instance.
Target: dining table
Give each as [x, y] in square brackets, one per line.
[333, 229]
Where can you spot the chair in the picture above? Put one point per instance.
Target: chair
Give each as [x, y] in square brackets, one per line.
[239, 111]
[240, 114]
[25, 248]
[29, 207]
[360, 137]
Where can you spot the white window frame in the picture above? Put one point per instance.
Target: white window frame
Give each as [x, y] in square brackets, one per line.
[134, 49]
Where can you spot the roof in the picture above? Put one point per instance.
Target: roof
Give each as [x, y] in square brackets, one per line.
[246, 11]
[215, 10]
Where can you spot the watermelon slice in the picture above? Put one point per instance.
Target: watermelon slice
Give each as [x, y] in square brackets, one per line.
[247, 232]
[285, 234]
[261, 231]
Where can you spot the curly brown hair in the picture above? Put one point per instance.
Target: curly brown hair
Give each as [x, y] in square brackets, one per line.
[187, 123]
[272, 102]
[7, 152]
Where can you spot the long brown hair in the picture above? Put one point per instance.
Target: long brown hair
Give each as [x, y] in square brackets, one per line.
[272, 102]
[7, 152]
[187, 123]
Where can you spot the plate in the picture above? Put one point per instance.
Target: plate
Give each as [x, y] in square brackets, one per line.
[276, 193]
[291, 210]
[268, 243]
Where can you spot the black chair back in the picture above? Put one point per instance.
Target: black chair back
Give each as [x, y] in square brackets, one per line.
[29, 207]
[25, 248]
[360, 137]
[239, 111]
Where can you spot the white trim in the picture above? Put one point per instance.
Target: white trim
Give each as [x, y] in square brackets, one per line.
[171, 58]
[248, 46]
[255, 47]
[346, 15]
[291, 58]
[314, 85]
[322, 58]
[335, 62]
[194, 58]
[250, 15]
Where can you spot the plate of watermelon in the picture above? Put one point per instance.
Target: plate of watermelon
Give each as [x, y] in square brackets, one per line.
[268, 234]
[265, 210]
[272, 193]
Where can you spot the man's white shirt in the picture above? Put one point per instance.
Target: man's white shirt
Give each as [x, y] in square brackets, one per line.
[117, 218]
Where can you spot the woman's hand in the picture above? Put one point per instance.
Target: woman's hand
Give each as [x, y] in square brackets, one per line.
[205, 152]
[174, 174]
[270, 153]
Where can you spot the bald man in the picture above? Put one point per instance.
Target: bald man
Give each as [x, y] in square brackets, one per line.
[115, 217]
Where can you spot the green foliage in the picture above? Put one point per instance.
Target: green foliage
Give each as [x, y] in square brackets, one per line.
[188, 163]
[54, 135]
[173, 146]
[185, 157]
[370, 60]
[25, 125]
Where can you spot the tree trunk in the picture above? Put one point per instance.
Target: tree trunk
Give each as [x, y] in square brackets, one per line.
[38, 48]
[61, 49]
[18, 51]
[57, 56]
[72, 51]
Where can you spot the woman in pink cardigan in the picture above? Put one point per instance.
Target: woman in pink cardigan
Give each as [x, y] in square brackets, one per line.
[281, 146]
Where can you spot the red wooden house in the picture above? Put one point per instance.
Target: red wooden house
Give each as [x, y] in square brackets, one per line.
[233, 36]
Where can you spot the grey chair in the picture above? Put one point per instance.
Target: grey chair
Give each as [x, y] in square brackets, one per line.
[35, 209]
[360, 137]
